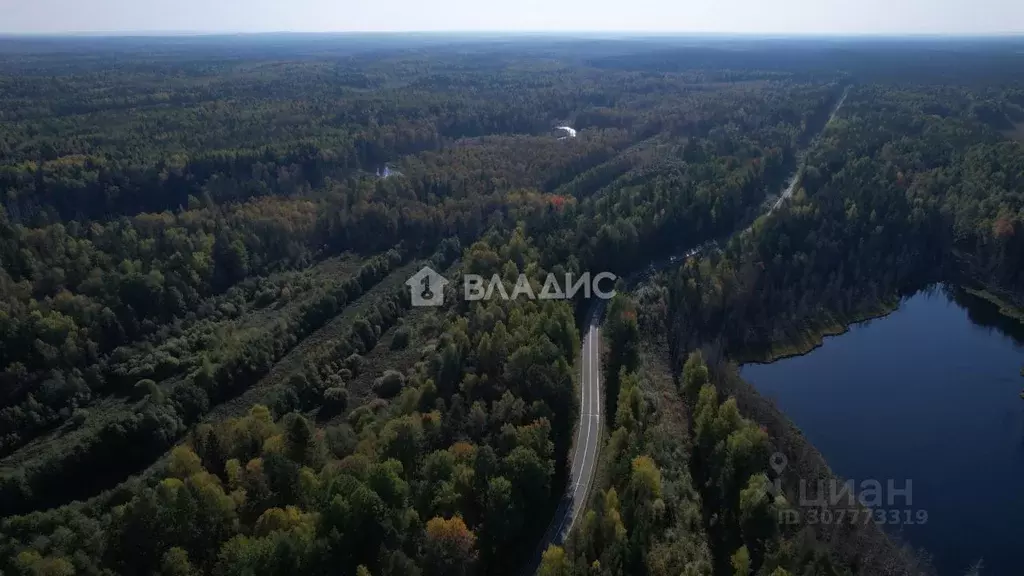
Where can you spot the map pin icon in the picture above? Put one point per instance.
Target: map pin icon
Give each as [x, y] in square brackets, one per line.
[778, 462]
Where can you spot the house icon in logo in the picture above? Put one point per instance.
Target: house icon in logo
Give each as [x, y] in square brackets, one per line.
[427, 287]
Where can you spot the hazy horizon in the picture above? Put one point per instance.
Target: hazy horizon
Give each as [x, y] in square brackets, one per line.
[646, 17]
[570, 34]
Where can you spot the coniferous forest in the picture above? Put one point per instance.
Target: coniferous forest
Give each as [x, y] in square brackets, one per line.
[212, 365]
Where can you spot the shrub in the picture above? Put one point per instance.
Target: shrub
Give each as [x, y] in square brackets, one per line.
[390, 384]
[79, 417]
[400, 340]
[354, 363]
[335, 400]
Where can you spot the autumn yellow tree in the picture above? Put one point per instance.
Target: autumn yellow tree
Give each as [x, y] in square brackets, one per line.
[450, 547]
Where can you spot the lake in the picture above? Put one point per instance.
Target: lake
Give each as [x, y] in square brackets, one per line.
[929, 393]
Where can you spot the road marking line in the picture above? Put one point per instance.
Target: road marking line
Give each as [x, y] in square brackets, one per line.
[597, 373]
[586, 444]
[588, 348]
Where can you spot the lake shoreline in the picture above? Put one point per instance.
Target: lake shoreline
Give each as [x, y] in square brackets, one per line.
[858, 404]
[1005, 307]
[812, 339]
[865, 544]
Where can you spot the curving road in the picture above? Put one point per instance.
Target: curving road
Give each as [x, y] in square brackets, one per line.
[588, 434]
[586, 444]
[791, 186]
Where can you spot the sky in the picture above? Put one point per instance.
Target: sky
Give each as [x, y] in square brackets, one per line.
[843, 17]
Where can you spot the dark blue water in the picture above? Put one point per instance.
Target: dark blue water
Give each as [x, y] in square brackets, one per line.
[929, 393]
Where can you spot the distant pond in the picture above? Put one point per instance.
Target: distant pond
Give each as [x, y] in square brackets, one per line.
[929, 393]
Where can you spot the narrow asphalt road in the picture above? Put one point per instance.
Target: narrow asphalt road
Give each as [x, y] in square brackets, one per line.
[587, 442]
[588, 434]
[791, 185]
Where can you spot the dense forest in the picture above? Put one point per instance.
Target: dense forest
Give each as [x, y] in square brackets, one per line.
[211, 364]
[909, 186]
